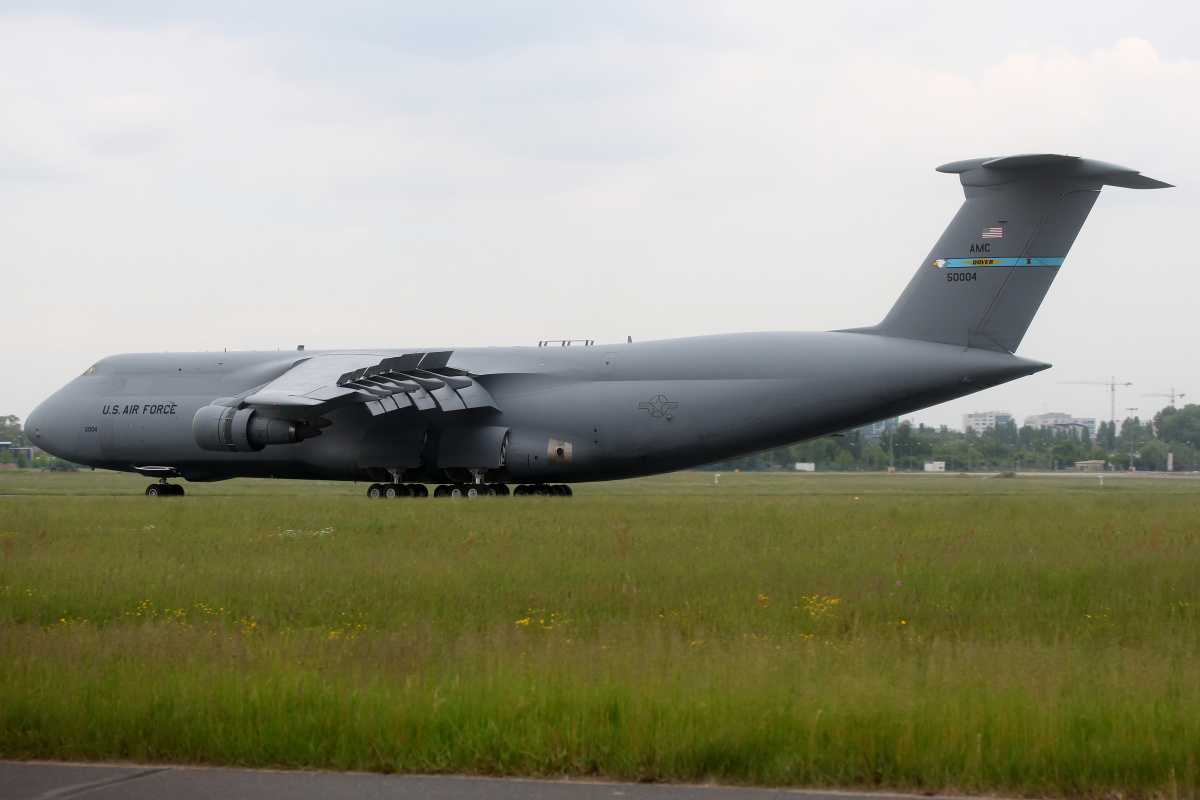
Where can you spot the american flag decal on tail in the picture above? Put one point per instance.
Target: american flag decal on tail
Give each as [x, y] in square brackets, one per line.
[993, 233]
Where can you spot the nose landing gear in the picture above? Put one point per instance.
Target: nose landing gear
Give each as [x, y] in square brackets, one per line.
[162, 488]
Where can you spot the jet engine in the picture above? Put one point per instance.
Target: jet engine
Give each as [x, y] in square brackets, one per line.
[225, 429]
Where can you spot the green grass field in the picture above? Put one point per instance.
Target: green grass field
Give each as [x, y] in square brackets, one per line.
[1027, 636]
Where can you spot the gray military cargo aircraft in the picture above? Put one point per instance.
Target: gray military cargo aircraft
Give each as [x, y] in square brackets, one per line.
[475, 420]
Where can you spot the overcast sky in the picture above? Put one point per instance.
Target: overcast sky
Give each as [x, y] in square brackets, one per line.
[207, 175]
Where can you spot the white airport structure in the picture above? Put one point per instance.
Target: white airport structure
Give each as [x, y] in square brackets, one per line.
[1062, 421]
[985, 421]
[935, 466]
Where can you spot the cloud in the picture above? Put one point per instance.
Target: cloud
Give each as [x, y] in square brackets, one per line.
[124, 142]
[757, 166]
[18, 167]
[129, 125]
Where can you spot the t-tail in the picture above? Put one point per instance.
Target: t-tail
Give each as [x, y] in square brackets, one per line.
[985, 278]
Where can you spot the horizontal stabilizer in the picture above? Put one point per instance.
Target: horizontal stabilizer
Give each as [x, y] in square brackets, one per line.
[997, 171]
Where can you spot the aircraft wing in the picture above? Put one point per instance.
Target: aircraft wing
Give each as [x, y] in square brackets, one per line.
[383, 384]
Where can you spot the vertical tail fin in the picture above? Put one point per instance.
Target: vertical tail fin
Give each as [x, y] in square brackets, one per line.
[987, 274]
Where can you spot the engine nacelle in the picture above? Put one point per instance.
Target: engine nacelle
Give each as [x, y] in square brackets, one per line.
[224, 429]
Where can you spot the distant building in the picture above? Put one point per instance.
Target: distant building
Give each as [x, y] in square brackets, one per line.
[878, 429]
[985, 420]
[935, 466]
[1062, 422]
[806, 466]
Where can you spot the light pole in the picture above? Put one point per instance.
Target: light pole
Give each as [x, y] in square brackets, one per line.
[1131, 468]
[891, 449]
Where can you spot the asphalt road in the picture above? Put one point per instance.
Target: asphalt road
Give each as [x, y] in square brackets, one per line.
[44, 781]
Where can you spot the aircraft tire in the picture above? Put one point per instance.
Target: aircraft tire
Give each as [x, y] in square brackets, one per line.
[520, 491]
[375, 491]
[542, 490]
[176, 490]
[455, 490]
[419, 490]
[391, 491]
[566, 491]
[472, 492]
[439, 491]
[154, 490]
[499, 489]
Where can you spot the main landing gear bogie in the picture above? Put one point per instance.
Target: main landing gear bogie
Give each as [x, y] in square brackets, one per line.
[164, 489]
[467, 490]
[394, 490]
[543, 490]
[471, 490]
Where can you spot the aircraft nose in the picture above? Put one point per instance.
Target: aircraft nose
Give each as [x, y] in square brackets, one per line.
[43, 432]
[33, 424]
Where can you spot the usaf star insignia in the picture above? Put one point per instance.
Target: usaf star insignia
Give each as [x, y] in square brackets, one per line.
[658, 405]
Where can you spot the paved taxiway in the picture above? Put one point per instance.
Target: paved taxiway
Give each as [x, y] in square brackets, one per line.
[46, 781]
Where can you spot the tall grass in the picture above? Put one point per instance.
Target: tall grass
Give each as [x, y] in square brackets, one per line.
[947, 635]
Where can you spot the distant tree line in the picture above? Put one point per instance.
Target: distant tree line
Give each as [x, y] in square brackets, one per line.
[10, 431]
[1006, 447]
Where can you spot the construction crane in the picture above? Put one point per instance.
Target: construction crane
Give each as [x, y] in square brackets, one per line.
[1112, 385]
[1171, 393]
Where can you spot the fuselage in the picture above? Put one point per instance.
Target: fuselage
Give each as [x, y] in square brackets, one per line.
[621, 410]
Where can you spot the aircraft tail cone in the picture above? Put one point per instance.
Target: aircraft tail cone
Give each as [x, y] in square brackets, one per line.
[984, 369]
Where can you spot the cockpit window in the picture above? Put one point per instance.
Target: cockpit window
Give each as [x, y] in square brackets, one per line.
[91, 370]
